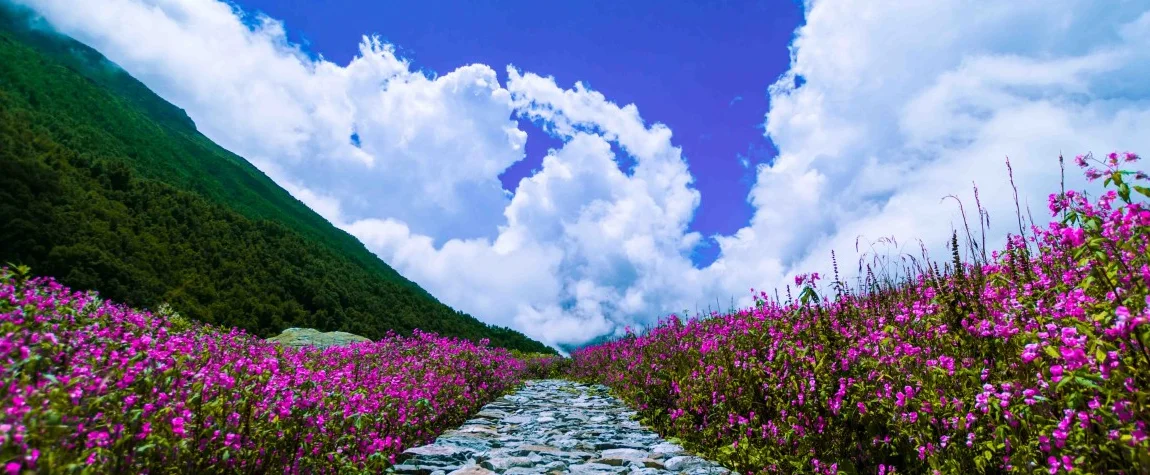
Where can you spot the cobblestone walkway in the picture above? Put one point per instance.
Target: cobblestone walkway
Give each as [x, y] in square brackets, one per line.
[553, 426]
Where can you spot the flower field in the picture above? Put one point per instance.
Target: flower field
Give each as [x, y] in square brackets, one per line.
[1034, 359]
[543, 366]
[93, 386]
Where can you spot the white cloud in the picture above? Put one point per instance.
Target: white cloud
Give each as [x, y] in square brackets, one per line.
[902, 104]
[907, 102]
[430, 150]
[579, 249]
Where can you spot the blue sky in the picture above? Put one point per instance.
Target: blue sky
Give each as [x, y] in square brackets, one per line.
[900, 103]
[702, 68]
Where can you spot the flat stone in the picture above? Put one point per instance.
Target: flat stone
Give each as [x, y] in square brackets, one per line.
[555, 466]
[522, 471]
[526, 449]
[610, 444]
[625, 454]
[685, 462]
[652, 464]
[553, 427]
[565, 443]
[411, 469]
[472, 470]
[487, 430]
[591, 468]
[438, 451]
[490, 414]
[473, 444]
[501, 464]
[667, 448]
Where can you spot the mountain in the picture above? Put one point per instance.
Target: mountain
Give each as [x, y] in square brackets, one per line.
[106, 186]
[599, 340]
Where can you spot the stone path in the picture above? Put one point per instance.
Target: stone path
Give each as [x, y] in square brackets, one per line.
[552, 426]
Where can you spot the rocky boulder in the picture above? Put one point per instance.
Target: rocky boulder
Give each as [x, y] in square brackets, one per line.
[299, 337]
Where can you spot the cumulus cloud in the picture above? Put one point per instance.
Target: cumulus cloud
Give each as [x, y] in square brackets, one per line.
[429, 151]
[410, 164]
[887, 107]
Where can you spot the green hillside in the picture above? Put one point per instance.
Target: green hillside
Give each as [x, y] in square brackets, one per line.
[106, 186]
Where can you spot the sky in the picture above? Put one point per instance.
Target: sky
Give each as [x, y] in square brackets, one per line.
[701, 68]
[561, 170]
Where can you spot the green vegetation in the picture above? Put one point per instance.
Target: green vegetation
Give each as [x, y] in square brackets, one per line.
[1032, 359]
[543, 365]
[91, 386]
[108, 187]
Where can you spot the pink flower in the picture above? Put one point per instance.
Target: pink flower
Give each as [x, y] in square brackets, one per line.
[1074, 357]
[1030, 352]
[178, 427]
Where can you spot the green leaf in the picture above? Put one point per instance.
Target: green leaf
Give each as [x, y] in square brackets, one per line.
[1124, 192]
[1061, 383]
[1051, 351]
[1142, 189]
[1086, 382]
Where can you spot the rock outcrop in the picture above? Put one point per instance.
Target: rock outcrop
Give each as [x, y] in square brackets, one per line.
[299, 337]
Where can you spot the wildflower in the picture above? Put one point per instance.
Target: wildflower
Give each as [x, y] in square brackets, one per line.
[1030, 352]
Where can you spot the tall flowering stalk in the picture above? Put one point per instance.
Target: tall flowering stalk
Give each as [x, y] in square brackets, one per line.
[1034, 360]
[90, 384]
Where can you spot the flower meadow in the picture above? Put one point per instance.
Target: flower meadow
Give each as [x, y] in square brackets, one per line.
[1033, 359]
[543, 366]
[91, 386]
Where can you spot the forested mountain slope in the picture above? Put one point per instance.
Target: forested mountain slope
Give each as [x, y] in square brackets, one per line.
[106, 186]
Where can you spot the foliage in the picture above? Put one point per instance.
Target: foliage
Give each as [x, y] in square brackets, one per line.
[543, 365]
[106, 186]
[1031, 360]
[92, 386]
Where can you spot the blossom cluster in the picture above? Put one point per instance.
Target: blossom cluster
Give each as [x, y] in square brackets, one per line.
[94, 385]
[1032, 359]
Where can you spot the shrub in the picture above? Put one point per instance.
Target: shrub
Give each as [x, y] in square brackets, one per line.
[542, 365]
[92, 385]
[1034, 359]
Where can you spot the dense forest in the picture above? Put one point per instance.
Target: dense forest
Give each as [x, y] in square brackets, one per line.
[106, 186]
